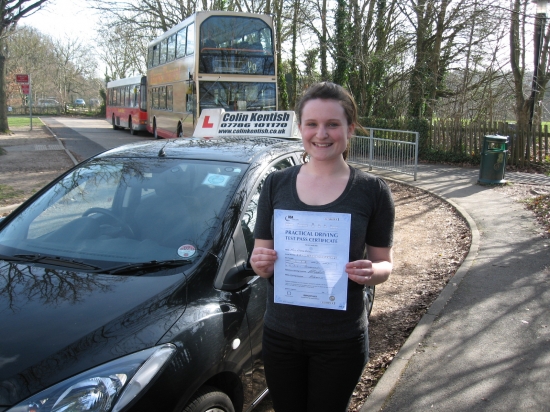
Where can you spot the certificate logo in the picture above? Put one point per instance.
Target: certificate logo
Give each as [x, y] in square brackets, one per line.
[288, 218]
[332, 298]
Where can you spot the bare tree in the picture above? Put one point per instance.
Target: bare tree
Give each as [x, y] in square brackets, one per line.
[29, 51]
[122, 49]
[75, 69]
[11, 11]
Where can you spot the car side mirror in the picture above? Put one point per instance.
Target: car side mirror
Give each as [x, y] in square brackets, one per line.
[234, 273]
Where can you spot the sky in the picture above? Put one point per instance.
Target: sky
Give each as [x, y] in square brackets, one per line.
[61, 19]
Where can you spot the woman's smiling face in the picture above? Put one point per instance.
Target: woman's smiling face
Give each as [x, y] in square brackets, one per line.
[325, 129]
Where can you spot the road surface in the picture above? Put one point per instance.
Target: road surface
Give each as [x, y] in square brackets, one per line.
[85, 137]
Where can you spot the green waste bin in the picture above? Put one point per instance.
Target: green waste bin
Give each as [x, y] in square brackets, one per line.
[493, 160]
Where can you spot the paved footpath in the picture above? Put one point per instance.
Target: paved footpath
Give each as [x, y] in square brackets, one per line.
[484, 345]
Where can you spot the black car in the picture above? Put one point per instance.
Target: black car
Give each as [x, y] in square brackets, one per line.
[124, 284]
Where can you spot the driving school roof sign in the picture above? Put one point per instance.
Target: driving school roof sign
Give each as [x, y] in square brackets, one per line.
[218, 123]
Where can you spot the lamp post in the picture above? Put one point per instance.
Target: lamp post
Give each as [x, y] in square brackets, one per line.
[540, 23]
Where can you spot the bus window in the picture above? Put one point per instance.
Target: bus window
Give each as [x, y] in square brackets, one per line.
[180, 43]
[156, 55]
[171, 48]
[162, 52]
[126, 96]
[237, 95]
[265, 39]
[169, 97]
[153, 99]
[162, 98]
[191, 39]
[245, 46]
[131, 95]
[191, 101]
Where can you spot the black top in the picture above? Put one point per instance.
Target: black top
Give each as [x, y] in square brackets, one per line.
[369, 201]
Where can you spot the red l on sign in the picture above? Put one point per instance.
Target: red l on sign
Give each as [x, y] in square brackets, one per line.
[206, 123]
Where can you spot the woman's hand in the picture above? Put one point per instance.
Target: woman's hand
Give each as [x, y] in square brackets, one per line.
[263, 258]
[360, 271]
[374, 271]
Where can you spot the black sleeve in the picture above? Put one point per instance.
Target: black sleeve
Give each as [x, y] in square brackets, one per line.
[381, 223]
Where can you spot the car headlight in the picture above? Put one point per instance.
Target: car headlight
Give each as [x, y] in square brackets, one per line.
[112, 385]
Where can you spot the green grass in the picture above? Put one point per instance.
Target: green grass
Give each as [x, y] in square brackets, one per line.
[22, 121]
[8, 192]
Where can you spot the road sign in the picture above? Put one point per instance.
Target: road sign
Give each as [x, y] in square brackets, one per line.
[25, 88]
[22, 78]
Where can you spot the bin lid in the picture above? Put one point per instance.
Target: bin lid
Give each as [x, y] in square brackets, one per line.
[496, 138]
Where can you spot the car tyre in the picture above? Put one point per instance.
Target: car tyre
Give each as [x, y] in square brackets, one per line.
[209, 399]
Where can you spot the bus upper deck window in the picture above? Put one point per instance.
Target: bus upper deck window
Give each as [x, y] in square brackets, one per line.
[181, 37]
[171, 53]
[163, 51]
[191, 39]
[155, 61]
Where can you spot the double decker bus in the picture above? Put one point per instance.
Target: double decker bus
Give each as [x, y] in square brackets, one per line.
[127, 104]
[212, 59]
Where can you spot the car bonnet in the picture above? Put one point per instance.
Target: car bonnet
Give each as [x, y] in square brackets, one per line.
[57, 323]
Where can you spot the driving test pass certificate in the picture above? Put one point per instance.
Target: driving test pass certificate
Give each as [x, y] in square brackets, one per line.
[312, 252]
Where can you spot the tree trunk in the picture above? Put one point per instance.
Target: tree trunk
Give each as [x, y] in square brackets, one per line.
[341, 74]
[4, 127]
[323, 43]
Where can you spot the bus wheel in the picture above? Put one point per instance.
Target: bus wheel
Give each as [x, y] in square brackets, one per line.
[131, 127]
[115, 127]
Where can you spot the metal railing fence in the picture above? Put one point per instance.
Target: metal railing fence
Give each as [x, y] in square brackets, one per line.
[384, 151]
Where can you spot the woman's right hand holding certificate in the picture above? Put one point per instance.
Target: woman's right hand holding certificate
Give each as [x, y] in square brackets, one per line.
[263, 258]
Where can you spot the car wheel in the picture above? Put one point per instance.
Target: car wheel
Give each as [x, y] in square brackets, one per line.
[209, 399]
[369, 298]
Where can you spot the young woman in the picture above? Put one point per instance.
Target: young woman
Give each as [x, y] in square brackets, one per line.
[314, 357]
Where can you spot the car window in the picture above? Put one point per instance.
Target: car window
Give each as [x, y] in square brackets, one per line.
[126, 210]
[83, 192]
[248, 222]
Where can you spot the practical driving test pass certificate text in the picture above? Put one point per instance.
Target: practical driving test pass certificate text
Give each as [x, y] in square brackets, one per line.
[312, 252]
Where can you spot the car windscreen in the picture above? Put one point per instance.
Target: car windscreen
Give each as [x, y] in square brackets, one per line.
[117, 211]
